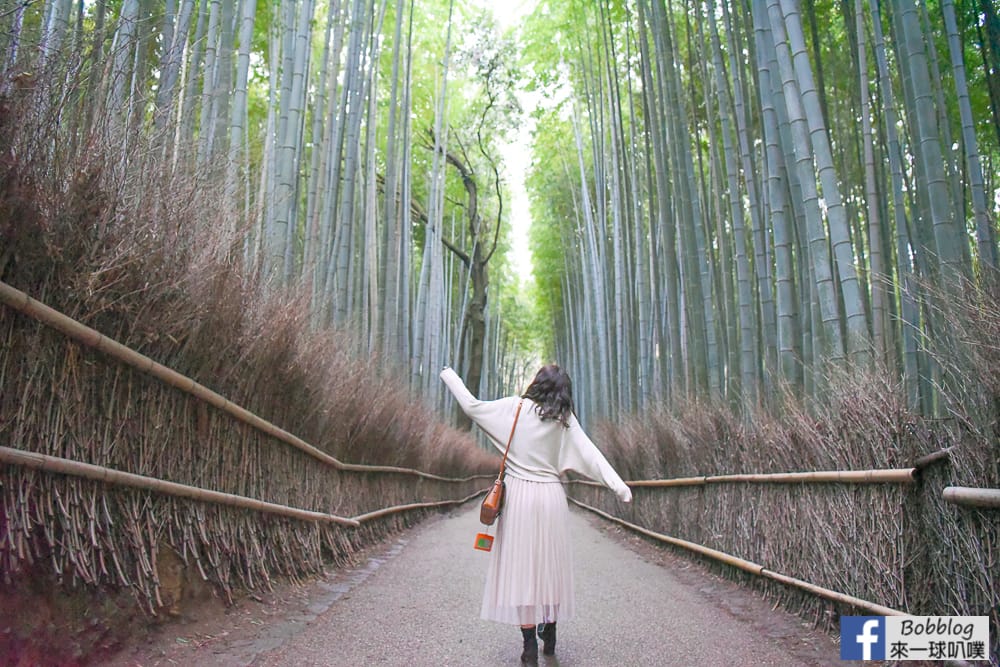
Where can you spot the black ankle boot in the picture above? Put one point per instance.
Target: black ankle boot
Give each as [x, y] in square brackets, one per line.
[530, 654]
[547, 633]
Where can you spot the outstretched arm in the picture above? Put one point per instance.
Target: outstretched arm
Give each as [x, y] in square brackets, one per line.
[488, 415]
[581, 455]
[458, 389]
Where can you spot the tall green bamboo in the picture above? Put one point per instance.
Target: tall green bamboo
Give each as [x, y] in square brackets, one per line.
[819, 252]
[974, 172]
[931, 172]
[856, 324]
[749, 362]
[782, 218]
[879, 275]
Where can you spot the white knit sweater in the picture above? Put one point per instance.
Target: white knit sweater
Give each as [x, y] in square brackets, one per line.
[540, 450]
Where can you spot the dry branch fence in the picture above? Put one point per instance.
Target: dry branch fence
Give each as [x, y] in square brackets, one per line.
[825, 543]
[80, 426]
[891, 476]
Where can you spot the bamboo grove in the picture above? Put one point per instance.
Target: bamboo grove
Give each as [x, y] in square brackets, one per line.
[729, 198]
[354, 144]
[732, 199]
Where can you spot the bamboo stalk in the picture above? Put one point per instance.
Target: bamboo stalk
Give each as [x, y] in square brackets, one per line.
[933, 457]
[368, 516]
[874, 608]
[81, 333]
[883, 476]
[972, 497]
[55, 464]
[677, 481]
[740, 563]
[749, 566]
[66, 466]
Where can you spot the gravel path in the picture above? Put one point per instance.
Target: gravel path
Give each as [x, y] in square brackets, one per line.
[419, 605]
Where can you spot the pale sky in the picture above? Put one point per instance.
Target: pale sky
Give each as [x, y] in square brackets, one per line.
[517, 154]
[517, 158]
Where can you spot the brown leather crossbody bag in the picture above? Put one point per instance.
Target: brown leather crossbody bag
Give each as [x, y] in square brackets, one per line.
[493, 502]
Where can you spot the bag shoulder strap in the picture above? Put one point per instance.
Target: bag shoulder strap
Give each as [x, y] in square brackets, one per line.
[503, 464]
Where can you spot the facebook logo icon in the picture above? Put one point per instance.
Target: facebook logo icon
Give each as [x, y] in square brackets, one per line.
[862, 637]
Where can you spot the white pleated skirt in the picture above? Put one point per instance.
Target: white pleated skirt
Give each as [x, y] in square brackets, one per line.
[530, 576]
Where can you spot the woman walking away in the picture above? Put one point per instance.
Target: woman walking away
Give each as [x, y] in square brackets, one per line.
[530, 577]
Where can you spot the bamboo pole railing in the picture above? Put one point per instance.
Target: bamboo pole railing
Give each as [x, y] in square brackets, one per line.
[971, 496]
[881, 476]
[55, 464]
[85, 335]
[385, 511]
[749, 566]
[932, 458]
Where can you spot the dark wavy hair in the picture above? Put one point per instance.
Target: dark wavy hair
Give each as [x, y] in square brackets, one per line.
[552, 392]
